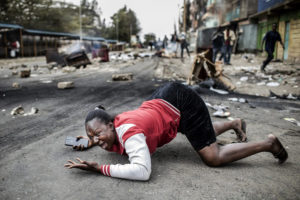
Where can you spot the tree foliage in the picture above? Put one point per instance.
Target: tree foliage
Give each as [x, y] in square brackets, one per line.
[59, 16]
[149, 37]
[124, 24]
[52, 15]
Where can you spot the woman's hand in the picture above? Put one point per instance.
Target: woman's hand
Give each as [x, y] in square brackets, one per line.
[84, 165]
[81, 147]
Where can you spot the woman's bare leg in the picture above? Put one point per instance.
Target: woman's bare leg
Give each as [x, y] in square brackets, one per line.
[214, 155]
[237, 125]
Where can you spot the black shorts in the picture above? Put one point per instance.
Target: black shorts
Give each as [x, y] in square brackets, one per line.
[195, 120]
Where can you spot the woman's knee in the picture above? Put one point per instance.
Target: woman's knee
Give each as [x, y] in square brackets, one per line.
[210, 155]
[212, 161]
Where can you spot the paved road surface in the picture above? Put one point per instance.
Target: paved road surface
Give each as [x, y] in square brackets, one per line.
[33, 152]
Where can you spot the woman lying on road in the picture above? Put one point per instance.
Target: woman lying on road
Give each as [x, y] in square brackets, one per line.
[174, 107]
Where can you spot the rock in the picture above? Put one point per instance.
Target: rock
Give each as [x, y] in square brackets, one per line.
[122, 77]
[14, 72]
[244, 78]
[65, 85]
[25, 73]
[68, 69]
[17, 111]
[273, 84]
[32, 111]
[16, 85]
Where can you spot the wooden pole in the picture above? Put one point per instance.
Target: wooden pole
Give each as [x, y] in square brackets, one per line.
[34, 46]
[184, 16]
[5, 44]
[21, 41]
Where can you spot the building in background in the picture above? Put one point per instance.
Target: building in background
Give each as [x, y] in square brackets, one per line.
[285, 13]
[250, 19]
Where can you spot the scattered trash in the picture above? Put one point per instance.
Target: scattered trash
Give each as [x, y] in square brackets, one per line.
[16, 85]
[233, 99]
[284, 96]
[242, 100]
[17, 111]
[221, 113]
[32, 111]
[25, 73]
[292, 120]
[244, 78]
[65, 85]
[3, 110]
[46, 81]
[122, 77]
[273, 84]
[261, 83]
[251, 105]
[290, 96]
[221, 110]
[68, 69]
[14, 73]
[218, 91]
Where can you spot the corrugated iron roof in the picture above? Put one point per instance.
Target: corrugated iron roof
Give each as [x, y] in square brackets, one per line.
[12, 26]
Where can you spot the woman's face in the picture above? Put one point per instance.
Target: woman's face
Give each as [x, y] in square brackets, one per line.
[101, 133]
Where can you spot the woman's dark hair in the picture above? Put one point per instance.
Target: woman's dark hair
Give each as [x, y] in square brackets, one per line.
[100, 114]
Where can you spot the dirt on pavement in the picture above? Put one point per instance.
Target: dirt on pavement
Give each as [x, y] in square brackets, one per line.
[33, 151]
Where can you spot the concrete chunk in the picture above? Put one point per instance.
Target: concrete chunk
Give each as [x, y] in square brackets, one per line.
[25, 73]
[68, 69]
[17, 111]
[16, 85]
[122, 77]
[65, 85]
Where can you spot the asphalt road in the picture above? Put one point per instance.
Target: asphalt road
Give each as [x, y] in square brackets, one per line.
[33, 151]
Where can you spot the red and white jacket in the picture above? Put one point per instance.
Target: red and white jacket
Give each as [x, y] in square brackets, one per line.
[140, 132]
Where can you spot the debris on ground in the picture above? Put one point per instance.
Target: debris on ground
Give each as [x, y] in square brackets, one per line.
[122, 77]
[273, 84]
[16, 85]
[204, 69]
[14, 72]
[65, 85]
[283, 96]
[25, 73]
[244, 78]
[241, 100]
[68, 69]
[221, 110]
[19, 110]
[292, 120]
[218, 91]
[32, 111]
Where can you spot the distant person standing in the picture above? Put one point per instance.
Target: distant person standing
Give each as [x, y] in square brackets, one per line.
[229, 38]
[15, 48]
[165, 42]
[270, 38]
[217, 43]
[184, 45]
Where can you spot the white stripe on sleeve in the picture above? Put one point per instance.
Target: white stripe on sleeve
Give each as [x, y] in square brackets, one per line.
[121, 130]
[139, 157]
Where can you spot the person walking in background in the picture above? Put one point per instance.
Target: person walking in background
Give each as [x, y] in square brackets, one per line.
[270, 38]
[217, 43]
[184, 45]
[229, 38]
[165, 42]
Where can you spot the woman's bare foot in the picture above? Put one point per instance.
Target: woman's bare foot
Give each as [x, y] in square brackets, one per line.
[277, 149]
[240, 129]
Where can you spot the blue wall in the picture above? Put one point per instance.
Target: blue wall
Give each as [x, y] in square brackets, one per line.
[265, 4]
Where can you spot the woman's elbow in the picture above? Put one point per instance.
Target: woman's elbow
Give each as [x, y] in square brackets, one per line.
[145, 176]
